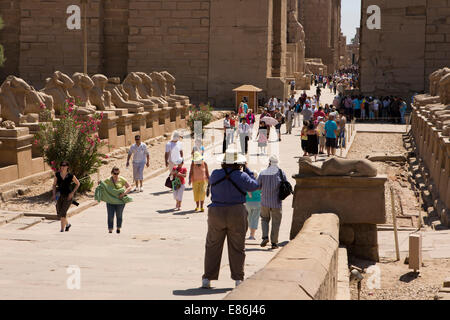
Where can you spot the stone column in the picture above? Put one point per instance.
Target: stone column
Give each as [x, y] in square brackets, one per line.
[15, 149]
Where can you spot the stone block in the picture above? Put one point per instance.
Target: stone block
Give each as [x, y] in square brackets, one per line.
[415, 251]
[306, 268]
[354, 200]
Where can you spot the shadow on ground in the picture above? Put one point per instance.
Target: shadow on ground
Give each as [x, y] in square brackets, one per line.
[200, 291]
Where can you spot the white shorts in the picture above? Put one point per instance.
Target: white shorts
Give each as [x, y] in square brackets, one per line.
[138, 171]
[178, 194]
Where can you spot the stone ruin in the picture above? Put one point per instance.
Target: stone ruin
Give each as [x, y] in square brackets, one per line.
[351, 189]
[430, 129]
[145, 104]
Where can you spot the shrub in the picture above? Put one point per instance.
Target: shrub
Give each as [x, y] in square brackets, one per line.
[202, 113]
[74, 139]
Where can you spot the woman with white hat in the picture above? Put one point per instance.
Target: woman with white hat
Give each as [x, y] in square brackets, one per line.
[199, 177]
[174, 151]
[227, 216]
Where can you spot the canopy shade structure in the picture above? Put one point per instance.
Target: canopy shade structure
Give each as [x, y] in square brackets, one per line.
[250, 93]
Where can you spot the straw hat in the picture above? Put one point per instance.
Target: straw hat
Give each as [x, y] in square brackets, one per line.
[232, 156]
[198, 158]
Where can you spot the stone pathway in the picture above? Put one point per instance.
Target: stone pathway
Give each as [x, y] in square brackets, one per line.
[158, 255]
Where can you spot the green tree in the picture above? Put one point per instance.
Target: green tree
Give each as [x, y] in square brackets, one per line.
[2, 56]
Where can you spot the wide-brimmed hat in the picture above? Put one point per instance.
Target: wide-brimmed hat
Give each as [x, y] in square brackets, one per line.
[198, 158]
[232, 156]
[175, 136]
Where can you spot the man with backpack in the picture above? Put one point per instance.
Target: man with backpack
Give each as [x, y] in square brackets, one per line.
[274, 189]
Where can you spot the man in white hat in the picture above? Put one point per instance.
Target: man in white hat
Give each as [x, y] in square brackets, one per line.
[174, 151]
[271, 206]
[227, 216]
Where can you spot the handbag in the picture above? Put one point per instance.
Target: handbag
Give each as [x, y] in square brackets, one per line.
[285, 188]
[168, 183]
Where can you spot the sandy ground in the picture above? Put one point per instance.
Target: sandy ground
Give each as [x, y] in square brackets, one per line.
[399, 283]
[396, 281]
[374, 143]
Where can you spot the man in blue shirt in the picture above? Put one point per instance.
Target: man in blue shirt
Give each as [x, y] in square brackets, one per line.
[227, 216]
[331, 134]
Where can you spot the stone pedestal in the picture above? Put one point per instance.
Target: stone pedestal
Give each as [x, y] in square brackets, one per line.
[166, 114]
[125, 130]
[139, 123]
[15, 149]
[358, 202]
[108, 128]
[33, 129]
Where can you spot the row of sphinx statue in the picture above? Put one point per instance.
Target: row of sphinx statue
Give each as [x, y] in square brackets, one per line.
[435, 107]
[20, 102]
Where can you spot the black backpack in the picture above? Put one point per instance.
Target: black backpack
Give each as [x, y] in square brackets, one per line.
[285, 188]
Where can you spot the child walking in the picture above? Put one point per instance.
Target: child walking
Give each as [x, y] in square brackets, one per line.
[262, 138]
[305, 138]
[178, 174]
[253, 205]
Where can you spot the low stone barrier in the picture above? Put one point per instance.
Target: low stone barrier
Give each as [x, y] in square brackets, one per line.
[306, 269]
[431, 138]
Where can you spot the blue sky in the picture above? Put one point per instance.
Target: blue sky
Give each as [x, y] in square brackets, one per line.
[351, 16]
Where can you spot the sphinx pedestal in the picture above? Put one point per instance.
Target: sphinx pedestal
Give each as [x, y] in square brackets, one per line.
[358, 202]
[15, 150]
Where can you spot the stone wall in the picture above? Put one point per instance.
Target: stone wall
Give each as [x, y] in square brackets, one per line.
[171, 35]
[210, 46]
[413, 41]
[47, 45]
[321, 20]
[239, 47]
[9, 37]
[306, 269]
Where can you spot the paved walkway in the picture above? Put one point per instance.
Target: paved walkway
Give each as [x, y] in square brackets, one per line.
[158, 255]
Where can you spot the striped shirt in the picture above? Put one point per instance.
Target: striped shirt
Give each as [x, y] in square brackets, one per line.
[269, 181]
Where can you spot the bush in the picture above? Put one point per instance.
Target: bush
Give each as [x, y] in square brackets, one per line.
[202, 113]
[73, 139]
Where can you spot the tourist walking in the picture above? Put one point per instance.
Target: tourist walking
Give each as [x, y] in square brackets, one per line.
[269, 181]
[62, 184]
[244, 135]
[312, 145]
[262, 137]
[141, 158]
[304, 137]
[174, 151]
[114, 192]
[289, 116]
[307, 113]
[297, 113]
[250, 119]
[227, 217]
[227, 132]
[253, 205]
[331, 135]
[321, 133]
[178, 177]
[198, 178]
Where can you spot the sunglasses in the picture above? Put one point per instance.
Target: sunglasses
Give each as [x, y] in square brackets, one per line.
[64, 165]
[116, 173]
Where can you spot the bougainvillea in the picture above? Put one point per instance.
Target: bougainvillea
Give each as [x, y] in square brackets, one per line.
[75, 139]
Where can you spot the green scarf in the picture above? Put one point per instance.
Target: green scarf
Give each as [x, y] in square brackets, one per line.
[109, 194]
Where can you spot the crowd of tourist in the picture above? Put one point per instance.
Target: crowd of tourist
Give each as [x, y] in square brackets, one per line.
[240, 197]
